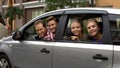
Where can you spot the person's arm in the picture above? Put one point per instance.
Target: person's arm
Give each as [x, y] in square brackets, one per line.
[74, 38]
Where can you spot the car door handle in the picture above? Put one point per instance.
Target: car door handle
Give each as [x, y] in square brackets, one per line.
[100, 57]
[44, 50]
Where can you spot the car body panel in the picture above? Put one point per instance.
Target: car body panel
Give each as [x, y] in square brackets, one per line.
[76, 55]
[27, 54]
[116, 57]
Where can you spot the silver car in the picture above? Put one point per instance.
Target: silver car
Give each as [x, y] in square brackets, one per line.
[20, 51]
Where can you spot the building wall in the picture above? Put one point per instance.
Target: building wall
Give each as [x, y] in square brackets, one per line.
[108, 3]
[4, 2]
[29, 13]
[29, 0]
[18, 1]
[28, 7]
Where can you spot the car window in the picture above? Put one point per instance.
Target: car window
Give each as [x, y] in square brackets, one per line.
[84, 28]
[115, 28]
[44, 32]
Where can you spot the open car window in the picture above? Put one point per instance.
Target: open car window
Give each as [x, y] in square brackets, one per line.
[30, 32]
[82, 18]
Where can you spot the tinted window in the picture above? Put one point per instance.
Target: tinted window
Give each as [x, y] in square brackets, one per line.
[115, 28]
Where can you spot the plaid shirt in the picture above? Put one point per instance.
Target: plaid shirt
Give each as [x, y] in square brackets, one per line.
[49, 35]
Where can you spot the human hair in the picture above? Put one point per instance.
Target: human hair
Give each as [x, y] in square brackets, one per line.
[93, 20]
[97, 34]
[80, 36]
[78, 21]
[98, 24]
[50, 18]
[40, 21]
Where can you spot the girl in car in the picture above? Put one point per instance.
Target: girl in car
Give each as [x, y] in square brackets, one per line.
[76, 29]
[94, 30]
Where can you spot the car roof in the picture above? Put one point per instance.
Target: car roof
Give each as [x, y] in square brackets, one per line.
[109, 10]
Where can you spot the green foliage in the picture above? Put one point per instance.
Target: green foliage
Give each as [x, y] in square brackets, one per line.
[55, 4]
[13, 13]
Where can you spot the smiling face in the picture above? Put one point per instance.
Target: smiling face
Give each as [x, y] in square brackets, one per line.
[76, 28]
[52, 25]
[92, 28]
[40, 30]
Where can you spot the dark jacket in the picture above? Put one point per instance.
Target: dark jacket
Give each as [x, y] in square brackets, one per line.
[38, 38]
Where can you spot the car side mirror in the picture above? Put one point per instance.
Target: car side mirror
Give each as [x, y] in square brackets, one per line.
[17, 35]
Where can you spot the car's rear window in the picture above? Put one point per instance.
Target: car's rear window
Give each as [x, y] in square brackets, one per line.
[115, 28]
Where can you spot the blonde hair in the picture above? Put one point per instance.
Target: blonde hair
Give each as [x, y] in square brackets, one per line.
[92, 20]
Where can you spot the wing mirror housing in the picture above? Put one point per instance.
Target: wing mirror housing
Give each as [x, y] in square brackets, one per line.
[17, 35]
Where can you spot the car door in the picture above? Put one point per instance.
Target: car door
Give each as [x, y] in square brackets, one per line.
[115, 31]
[84, 54]
[29, 53]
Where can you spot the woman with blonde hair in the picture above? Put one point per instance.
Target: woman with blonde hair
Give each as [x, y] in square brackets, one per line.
[93, 30]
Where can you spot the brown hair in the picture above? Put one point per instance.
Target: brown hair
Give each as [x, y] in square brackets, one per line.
[39, 21]
[51, 18]
[78, 21]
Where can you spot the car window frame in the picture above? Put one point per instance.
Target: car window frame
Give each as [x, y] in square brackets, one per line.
[104, 17]
[31, 22]
[112, 17]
